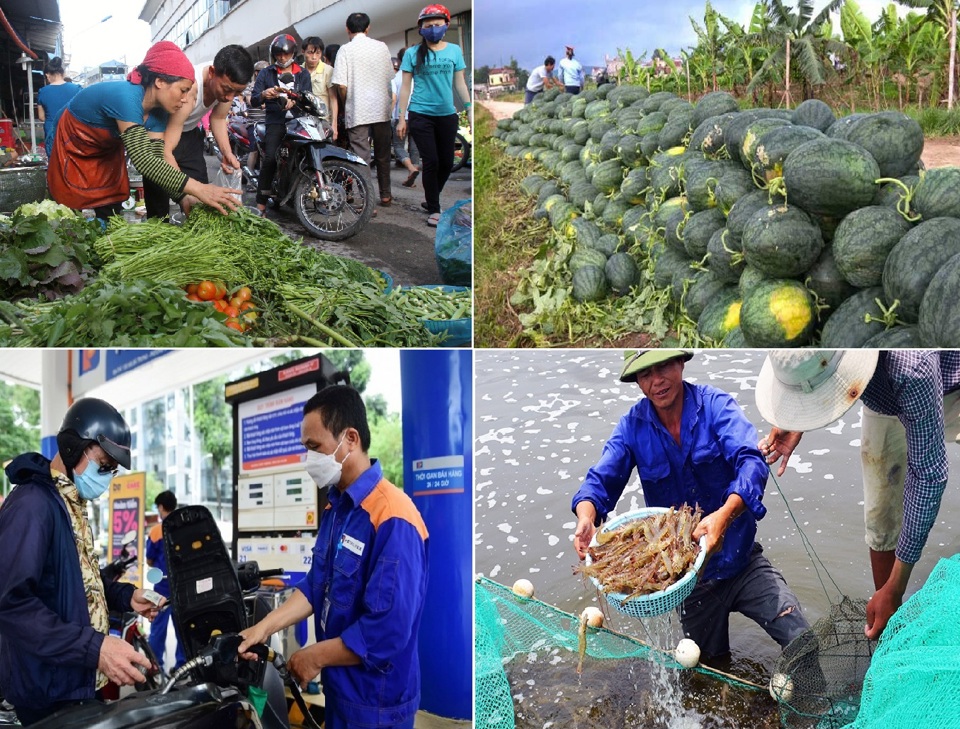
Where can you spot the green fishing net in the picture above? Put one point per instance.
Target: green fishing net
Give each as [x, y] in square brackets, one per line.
[914, 678]
[507, 626]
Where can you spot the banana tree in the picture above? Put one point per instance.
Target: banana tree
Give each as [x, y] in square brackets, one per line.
[710, 38]
[916, 42]
[798, 36]
[944, 13]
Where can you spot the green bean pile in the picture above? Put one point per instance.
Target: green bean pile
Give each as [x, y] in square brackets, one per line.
[439, 303]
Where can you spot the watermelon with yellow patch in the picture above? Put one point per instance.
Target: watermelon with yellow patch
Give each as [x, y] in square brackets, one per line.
[721, 316]
[778, 313]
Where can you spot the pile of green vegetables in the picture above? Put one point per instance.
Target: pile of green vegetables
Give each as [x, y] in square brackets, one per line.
[303, 296]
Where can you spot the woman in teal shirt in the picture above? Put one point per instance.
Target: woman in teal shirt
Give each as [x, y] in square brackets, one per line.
[432, 118]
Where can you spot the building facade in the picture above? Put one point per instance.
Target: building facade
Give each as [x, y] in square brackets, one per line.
[202, 27]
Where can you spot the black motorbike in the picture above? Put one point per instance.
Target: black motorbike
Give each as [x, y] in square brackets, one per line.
[214, 689]
[329, 187]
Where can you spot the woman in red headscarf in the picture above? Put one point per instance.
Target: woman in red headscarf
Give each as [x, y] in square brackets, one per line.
[87, 167]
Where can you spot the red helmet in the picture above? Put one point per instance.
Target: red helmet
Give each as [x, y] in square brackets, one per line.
[434, 11]
[283, 44]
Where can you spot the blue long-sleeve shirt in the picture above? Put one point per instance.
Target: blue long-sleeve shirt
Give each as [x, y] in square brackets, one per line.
[911, 386]
[367, 585]
[717, 456]
[49, 650]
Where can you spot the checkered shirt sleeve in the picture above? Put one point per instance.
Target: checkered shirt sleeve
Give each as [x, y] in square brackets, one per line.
[911, 385]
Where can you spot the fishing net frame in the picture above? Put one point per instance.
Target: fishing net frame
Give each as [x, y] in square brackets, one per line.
[656, 603]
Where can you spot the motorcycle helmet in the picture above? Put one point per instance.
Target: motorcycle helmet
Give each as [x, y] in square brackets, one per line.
[433, 11]
[282, 44]
[91, 420]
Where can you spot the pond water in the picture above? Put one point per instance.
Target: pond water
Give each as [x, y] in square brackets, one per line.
[542, 418]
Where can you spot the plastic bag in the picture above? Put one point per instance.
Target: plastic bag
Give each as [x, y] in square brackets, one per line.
[453, 244]
[233, 180]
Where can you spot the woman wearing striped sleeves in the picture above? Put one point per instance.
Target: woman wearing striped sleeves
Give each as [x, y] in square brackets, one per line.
[87, 168]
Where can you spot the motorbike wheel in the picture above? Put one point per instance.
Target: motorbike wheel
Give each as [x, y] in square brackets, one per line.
[461, 153]
[348, 208]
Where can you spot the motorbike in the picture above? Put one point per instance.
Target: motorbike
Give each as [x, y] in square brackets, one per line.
[214, 689]
[330, 187]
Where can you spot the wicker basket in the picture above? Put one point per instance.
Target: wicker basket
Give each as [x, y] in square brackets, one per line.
[656, 603]
[19, 185]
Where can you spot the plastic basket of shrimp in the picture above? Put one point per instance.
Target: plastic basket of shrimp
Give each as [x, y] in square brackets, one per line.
[646, 561]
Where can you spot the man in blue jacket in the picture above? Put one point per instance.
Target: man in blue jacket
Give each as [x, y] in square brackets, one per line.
[692, 444]
[367, 583]
[54, 622]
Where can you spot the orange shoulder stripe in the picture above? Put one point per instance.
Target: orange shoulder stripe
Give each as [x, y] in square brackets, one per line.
[386, 501]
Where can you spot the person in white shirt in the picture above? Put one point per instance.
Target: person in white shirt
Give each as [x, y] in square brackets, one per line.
[571, 73]
[540, 78]
[363, 72]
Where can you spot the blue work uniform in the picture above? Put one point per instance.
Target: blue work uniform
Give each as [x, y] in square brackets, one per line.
[367, 586]
[158, 628]
[717, 457]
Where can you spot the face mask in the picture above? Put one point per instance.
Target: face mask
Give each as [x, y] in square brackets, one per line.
[285, 64]
[91, 483]
[433, 33]
[324, 469]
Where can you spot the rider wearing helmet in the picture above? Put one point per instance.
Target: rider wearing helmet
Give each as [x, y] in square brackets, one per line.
[267, 92]
[437, 67]
[54, 623]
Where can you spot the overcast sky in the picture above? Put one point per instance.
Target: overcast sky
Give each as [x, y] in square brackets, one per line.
[529, 30]
[90, 40]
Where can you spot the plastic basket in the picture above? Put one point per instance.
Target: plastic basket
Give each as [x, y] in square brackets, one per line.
[20, 185]
[459, 331]
[656, 603]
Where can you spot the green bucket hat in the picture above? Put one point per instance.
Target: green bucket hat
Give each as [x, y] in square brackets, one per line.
[635, 360]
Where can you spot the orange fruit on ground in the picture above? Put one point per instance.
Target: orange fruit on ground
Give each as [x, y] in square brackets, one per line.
[207, 291]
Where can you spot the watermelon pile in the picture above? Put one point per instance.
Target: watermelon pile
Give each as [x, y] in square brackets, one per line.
[768, 227]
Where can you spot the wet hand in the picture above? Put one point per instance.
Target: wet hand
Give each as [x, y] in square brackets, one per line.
[305, 665]
[119, 662]
[713, 526]
[881, 607]
[779, 444]
[583, 535]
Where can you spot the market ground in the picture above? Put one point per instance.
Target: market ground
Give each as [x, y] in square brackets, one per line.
[397, 241]
[937, 151]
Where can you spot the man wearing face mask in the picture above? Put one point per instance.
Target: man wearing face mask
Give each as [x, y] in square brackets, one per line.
[368, 579]
[54, 622]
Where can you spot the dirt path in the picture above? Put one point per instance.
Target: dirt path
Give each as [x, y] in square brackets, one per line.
[941, 152]
[500, 109]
